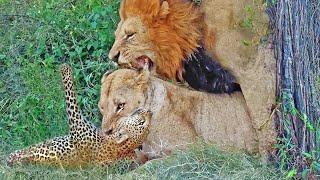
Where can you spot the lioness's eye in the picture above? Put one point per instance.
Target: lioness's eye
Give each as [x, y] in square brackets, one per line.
[120, 107]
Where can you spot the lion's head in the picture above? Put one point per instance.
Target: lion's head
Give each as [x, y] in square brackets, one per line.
[164, 32]
[122, 92]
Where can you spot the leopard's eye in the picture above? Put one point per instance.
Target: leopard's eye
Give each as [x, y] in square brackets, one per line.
[120, 107]
[142, 122]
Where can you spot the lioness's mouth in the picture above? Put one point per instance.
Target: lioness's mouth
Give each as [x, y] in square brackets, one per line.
[142, 60]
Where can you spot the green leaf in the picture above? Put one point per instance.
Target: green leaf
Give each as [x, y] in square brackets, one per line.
[304, 173]
[109, 9]
[89, 45]
[49, 61]
[292, 173]
[94, 24]
[307, 155]
[78, 50]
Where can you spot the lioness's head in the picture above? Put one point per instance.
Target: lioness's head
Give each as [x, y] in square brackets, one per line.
[122, 92]
[163, 32]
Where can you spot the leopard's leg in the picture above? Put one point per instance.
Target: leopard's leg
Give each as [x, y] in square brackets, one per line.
[78, 126]
[60, 150]
[85, 135]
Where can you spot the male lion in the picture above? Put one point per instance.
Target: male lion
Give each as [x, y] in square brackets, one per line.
[170, 32]
[180, 115]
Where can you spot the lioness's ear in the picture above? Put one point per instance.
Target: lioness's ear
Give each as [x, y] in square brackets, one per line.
[164, 10]
[105, 75]
[144, 75]
[121, 136]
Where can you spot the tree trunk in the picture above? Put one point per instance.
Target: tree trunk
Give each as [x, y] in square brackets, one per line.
[296, 30]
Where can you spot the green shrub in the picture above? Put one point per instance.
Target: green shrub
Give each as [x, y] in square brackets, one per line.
[37, 37]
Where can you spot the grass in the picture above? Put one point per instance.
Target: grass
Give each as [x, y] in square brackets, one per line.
[36, 37]
[203, 161]
[200, 161]
[33, 109]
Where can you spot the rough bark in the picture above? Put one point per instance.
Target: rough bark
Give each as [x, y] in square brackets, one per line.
[296, 30]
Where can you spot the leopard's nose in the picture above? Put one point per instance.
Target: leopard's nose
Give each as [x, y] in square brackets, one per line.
[149, 113]
[108, 132]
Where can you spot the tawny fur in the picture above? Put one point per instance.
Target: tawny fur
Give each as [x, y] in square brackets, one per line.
[180, 115]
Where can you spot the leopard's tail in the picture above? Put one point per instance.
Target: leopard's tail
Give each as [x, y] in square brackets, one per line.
[26, 156]
[19, 156]
[52, 152]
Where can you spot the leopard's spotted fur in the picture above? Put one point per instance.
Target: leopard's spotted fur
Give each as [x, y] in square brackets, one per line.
[197, 2]
[86, 144]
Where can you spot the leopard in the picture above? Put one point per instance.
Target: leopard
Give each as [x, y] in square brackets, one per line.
[86, 144]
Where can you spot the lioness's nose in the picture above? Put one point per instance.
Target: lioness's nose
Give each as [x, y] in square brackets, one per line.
[114, 55]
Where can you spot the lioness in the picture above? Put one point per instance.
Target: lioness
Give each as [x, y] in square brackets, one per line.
[180, 115]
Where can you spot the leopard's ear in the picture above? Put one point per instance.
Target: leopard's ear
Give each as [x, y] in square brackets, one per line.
[105, 75]
[121, 136]
[164, 10]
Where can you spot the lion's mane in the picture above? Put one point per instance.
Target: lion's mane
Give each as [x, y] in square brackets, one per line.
[178, 32]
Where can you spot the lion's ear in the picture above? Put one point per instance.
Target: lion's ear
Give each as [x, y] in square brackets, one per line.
[164, 10]
[122, 10]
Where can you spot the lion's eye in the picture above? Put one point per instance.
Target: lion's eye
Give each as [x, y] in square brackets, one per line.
[120, 107]
[130, 35]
